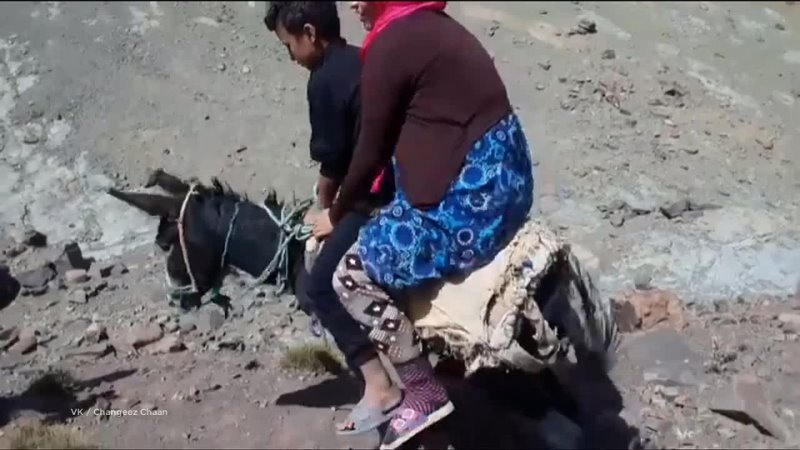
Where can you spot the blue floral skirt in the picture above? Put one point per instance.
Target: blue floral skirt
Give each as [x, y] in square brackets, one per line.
[402, 246]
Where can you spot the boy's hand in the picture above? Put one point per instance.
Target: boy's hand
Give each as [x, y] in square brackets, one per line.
[310, 217]
[322, 225]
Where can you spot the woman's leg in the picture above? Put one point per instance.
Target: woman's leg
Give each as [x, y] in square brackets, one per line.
[404, 246]
[425, 400]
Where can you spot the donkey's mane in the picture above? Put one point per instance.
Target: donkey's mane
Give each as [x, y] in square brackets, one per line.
[220, 188]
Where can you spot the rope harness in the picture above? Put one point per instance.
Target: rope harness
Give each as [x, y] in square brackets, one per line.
[290, 229]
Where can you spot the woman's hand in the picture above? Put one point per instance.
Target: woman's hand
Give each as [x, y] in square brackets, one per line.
[322, 225]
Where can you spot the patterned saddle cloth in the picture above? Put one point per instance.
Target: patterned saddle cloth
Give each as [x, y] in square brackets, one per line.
[532, 307]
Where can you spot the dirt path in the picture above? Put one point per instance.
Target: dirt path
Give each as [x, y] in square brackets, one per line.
[665, 148]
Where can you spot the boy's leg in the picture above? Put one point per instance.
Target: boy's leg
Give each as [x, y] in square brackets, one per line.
[351, 339]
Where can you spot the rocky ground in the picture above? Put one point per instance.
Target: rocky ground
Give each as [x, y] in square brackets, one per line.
[665, 138]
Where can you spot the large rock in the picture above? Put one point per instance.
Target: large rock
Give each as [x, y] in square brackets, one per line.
[36, 278]
[78, 297]
[647, 310]
[27, 342]
[76, 276]
[95, 350]
[169, 344]
[142, 335]
[9, 287]
[745, 401]
[95, 333]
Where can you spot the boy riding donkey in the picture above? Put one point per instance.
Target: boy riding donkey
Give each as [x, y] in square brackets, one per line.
[310, 31]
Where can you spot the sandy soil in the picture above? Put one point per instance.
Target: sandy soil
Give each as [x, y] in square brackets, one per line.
[666, 150]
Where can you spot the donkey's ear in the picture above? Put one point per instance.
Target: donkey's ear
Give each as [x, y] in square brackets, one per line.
[155, 205]
[167, 182]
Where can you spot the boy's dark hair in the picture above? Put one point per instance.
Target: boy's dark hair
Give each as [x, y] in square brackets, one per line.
[294, 15]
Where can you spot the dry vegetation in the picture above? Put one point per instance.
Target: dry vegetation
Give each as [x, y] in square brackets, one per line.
[312, 358]
[40, 436]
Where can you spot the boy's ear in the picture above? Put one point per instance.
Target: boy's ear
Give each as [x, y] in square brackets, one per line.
[310, 31]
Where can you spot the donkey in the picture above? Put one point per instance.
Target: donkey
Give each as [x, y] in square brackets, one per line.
[205, 231]
[533, 299]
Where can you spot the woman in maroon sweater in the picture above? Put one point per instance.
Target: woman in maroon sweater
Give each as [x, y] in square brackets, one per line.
[434, 106]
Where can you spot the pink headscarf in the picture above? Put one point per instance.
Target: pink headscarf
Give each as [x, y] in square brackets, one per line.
[388, 12]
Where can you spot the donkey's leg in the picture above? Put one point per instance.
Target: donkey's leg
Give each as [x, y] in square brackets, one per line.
[577, 307]
[601, 337]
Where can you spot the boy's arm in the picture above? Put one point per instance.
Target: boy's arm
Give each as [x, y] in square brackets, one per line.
[329, 144]
[326, 191]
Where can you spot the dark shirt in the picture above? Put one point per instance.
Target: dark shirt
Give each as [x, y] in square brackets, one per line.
[334, 105]
[334, 108]
[429, 90]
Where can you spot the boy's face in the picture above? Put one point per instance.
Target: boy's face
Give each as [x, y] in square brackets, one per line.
[303, 48]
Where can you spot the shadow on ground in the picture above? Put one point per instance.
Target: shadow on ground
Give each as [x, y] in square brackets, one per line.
[55, 395]
[332, 392]
[499, 409]
[512, 409]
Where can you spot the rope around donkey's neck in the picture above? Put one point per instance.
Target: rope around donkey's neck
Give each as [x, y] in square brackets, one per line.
[291, 229]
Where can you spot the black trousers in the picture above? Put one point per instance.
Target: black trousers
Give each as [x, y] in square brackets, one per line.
[353, 342]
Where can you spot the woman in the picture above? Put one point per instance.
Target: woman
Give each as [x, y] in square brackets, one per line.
[435, 107]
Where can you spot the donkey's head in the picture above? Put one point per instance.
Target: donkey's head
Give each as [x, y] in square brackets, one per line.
[192, 224]
[202, 230]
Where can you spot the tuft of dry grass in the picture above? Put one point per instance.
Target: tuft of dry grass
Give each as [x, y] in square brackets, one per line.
[312, 358]
[53, 383]
[40, 436]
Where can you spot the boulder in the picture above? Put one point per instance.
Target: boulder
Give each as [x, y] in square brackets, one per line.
[76, 276]
[142, 335]
[646, 310]
[169, 344]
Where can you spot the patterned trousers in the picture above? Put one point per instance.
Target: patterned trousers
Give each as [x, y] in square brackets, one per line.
[389, 328]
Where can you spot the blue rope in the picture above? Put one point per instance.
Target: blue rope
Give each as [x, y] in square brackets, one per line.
[291, 230]
[299, 232]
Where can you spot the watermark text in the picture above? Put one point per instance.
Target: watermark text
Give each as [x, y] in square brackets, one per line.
[147, 412]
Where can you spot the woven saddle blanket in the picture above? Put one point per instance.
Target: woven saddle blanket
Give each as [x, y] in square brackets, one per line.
[531, 307]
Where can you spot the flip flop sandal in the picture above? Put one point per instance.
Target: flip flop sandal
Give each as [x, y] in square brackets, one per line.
[366, 418]
[407, 423]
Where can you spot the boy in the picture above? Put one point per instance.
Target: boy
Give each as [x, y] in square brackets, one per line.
[310, 31]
